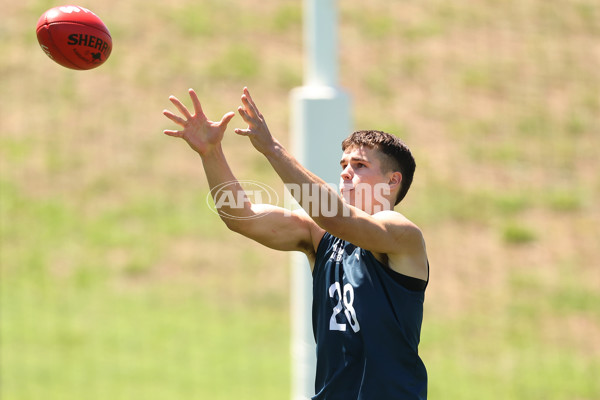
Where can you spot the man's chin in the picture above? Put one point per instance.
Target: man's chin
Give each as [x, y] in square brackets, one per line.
[348, 197]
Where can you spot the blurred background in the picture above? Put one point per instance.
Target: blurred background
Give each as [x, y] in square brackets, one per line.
[118, 282]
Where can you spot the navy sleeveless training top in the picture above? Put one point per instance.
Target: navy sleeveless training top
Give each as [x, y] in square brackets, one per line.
[367, 328]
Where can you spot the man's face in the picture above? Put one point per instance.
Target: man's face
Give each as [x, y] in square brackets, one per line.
[362, 183]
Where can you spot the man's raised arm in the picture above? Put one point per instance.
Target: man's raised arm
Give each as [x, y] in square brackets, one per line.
[270, 225]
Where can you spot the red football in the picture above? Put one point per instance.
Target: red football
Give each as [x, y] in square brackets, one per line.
[74, 37]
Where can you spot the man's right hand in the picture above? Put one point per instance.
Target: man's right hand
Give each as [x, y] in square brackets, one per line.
[201, 134]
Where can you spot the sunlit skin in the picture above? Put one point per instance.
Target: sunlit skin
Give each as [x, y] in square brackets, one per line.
[362, 182]
[371, 223]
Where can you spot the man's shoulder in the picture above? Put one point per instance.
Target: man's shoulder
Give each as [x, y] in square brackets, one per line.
[395, 219]
[410, 255]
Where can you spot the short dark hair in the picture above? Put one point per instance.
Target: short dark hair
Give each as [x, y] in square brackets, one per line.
[399, 157]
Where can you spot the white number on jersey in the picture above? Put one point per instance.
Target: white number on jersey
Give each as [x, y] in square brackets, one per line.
[344, 302]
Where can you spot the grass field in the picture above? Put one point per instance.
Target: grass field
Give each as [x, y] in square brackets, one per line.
[118, 282]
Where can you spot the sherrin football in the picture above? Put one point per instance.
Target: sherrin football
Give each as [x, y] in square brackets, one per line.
[74, 37]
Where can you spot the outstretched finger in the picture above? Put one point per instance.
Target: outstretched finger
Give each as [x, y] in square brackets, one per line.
[178, 120]
[249, 104]
[251, 101]
[249, 109]
[244, 114]
[196, 102]
[183, 109]
[177, 134]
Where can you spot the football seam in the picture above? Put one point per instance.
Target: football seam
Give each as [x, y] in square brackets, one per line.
[60, 52]
[76, 23]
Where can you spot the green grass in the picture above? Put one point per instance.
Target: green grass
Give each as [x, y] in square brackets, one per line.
[504, 360]
[84, 314]
[518, 233]
[94, 341]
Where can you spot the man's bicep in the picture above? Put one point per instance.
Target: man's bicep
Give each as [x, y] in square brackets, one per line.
[279, 229]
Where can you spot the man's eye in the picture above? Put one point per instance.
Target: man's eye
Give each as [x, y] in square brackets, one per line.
[360, 165]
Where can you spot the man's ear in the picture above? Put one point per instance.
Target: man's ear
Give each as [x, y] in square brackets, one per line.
[395, 180]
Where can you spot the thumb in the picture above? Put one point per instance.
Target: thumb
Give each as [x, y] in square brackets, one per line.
[226, 118]
[243, 132]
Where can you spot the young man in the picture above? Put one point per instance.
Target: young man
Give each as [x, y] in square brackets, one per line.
[369, 263]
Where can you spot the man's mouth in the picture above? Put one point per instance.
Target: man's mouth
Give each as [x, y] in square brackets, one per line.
[346, 188]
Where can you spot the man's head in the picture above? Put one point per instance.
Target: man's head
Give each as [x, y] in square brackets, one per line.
[389, 154]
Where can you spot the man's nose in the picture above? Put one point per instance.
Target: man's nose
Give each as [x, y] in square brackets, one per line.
[346, 173]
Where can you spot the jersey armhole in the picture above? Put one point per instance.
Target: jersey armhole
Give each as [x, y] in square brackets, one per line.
[408, 282]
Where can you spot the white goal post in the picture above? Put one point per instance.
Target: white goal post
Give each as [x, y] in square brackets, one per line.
[320, 120]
